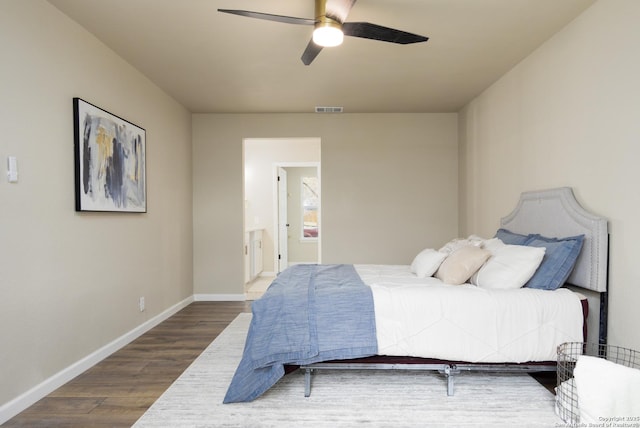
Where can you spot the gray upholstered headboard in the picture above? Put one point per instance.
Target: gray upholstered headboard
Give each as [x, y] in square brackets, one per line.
[557, 213]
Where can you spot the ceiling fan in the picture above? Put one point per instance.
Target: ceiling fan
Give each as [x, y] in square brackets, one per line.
[330, 27]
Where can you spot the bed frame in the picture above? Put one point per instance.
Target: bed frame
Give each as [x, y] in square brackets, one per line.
[554, 212]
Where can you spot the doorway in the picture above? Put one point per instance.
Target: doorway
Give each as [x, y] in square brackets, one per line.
[261, 159]
[298, 216]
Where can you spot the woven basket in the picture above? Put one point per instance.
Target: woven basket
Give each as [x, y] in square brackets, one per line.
[566, 395]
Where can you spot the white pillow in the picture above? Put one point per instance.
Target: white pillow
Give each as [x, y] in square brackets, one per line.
[458, 267]
[509, 267]
[458, 243]
[427, 262]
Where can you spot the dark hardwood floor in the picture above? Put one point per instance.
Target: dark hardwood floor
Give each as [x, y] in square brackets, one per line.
[118, 390]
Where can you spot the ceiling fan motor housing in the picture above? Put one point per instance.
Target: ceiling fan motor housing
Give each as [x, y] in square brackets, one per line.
[327, 32]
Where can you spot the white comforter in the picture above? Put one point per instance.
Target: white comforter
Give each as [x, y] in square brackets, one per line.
[423, 317]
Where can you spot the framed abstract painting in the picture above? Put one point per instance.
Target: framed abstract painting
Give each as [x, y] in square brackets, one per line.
[109, 161]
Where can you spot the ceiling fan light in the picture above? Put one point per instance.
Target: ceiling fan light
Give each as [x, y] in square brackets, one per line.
[327, 35]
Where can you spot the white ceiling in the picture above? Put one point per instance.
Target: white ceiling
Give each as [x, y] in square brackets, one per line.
[218, 63]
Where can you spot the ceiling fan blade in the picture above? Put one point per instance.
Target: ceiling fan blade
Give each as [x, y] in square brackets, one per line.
[338, 10]
[310, 53]
[270, 17]
[367, 30]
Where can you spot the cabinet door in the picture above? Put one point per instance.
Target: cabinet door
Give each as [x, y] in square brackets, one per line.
[247, 258]
[257, 253]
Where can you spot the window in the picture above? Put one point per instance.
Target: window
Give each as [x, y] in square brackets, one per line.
[309, 208]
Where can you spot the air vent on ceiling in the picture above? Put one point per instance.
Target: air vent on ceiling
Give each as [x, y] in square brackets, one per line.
[328, 109]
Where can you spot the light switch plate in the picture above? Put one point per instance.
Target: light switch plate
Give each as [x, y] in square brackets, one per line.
[12, 169]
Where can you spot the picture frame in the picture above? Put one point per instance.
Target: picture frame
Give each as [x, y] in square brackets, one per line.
[110, 161]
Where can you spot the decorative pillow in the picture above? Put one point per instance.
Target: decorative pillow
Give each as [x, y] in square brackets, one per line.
[511, 238]
[427, 262]
[509, 267]
[457, 243]
[458, 267]
[559, 259]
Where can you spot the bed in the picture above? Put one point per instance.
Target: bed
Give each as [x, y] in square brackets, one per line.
[418, 317]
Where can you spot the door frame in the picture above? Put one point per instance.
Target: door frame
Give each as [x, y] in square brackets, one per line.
[276, 225]
[282, 221]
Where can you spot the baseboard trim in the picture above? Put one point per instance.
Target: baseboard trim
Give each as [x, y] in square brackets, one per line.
[23, 401]
[219, 297]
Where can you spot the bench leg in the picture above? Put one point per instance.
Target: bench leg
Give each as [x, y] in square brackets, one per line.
[307, 382]
[449, 372]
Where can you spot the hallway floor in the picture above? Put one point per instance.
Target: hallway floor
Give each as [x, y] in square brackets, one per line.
[256, 288]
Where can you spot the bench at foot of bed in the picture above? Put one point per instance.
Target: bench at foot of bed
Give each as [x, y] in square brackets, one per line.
[449, 370]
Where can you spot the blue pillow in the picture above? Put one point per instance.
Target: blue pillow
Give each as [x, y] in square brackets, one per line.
[559, 259]
[511, 238]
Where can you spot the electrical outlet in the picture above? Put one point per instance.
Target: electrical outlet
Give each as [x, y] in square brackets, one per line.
[141, 304]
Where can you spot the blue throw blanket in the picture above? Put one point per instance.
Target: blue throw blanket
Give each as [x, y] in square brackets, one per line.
[310, 313]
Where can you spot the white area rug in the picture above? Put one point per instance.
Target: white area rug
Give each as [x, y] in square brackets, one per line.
[347, 398]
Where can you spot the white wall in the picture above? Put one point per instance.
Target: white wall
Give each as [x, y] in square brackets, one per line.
[70, 282]
[399, 169]
[568, 115]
